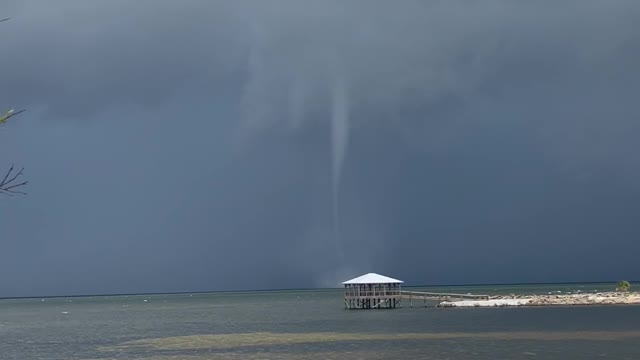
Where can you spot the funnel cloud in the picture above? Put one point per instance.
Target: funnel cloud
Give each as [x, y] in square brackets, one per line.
[339, 142]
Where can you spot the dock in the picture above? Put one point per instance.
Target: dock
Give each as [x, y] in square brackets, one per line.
[374, 291]
[428, 297]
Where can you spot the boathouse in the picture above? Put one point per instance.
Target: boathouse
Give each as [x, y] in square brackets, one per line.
[372, 291]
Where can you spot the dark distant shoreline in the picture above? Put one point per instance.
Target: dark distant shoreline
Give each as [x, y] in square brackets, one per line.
[292, 289]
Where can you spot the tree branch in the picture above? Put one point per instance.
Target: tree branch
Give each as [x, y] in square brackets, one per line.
[10, 182]
[9, 114]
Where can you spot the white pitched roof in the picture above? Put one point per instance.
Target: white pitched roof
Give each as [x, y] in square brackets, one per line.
[373, 278]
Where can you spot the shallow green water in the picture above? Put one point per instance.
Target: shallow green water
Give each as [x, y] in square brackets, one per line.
[314, 325]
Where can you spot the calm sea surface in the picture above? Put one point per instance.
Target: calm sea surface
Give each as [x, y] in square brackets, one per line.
[312, 325]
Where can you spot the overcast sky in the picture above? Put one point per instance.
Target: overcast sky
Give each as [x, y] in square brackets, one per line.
[216, 145]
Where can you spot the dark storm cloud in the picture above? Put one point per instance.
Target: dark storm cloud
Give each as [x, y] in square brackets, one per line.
[201, 145]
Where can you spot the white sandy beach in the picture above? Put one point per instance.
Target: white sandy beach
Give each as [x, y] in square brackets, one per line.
[603, 298]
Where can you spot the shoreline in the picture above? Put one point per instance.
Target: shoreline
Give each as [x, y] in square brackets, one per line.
[598, 298]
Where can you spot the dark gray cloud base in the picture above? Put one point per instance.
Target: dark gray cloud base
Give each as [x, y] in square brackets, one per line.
[201, 145]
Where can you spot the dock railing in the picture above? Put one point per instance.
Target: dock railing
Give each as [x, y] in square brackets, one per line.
[438, 297]
[372, 293]
[435, 296]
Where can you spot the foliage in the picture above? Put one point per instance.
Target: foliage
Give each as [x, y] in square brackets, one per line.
[9, 114]
[623, 286]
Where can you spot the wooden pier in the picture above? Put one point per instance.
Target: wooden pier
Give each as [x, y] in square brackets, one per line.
[374, 291]
[437, 297]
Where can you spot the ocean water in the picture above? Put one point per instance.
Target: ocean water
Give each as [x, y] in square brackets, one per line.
[312, 325]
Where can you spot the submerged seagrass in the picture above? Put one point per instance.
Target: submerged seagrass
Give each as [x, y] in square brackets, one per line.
[226, 341]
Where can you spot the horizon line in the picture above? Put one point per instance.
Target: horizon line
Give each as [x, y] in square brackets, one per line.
[295, 289]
